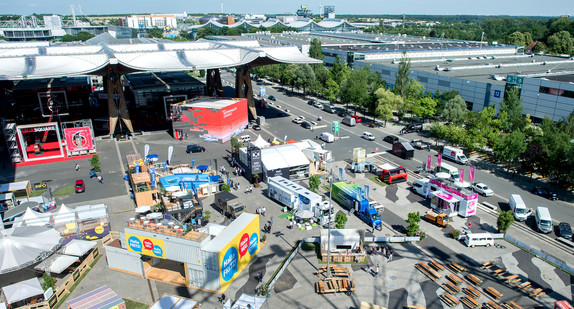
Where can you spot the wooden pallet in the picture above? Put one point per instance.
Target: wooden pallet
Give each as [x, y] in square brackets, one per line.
[427, 271]
[487, 264]
[512, 305]
[491, 305]
[456, 268]
[523, 286]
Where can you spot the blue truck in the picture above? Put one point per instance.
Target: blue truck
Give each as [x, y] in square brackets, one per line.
[352, 198]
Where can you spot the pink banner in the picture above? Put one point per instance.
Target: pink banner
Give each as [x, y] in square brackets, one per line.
[460, 175]
[471, 173]
[429, 161]
[439, 159]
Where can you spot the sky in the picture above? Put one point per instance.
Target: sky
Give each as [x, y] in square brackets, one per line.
[419, 7]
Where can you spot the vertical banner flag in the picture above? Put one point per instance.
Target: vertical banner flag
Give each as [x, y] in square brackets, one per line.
[439, 160]
[429, 161]
[285, 139]
[340, 174]
[366, 191]
[460, 175]
[359, 193]
[165, 166]
[137, 167]
[146, 150]
[471, 173]
[169, 153]
[152, 176]
[193, 163]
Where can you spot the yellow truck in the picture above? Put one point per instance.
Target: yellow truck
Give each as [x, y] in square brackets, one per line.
[441, 220]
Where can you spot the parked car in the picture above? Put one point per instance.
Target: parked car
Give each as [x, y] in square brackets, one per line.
[545, 193]
[391, 139]
[357, 118]
[282, 114]
[482, 189]
[318, 105]
[306, 125]
[311, 102]
[297, 120]
[272, 98]
[195, 148]
[565, 230]
[256, 127]
[80, 186]
[341, 113]
[368, 136]
[412, 127]
[418, 144]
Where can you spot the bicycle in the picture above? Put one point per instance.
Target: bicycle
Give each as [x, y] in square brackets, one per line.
[499, 246]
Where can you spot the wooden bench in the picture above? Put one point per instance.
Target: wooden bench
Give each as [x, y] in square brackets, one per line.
[449, 300]
[491, 305]
[456, 268]
[534, 291]
[415, 307]
[512, 305]
[511, 282]
[509, 278]
[538, 295]
[470, 302]
[474, 279]
[523, 286]
[427, 271]
[450, 288]
[499, 270]
[472, 292]
[454, 279]
[436, 265]
[492, 291]
[487, 264]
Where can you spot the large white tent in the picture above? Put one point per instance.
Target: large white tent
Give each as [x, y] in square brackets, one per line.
[26, 245]
[56, 263]
[22, 290]
[77, 247]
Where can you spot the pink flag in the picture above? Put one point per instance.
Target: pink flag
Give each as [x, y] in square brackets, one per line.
[471, 173]
[429, 160]
[439, 159]
[460, 175]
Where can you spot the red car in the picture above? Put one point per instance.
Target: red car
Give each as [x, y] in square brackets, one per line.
[357, 118]
[80, 187]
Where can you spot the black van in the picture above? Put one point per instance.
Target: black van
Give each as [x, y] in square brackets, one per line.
[413, 127]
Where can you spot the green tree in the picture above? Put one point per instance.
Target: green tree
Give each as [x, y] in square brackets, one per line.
[49, 282]
[339, 71]
[424, 107]
[454, 110]
[315, 50]
[560, 43]
[516, 38]
[331, 90]
[354, 88]
[184, 35]
[387, 101]
[510, 147]
[225, 187]
[95, 163]
[505, 220]
[527, 38]
[340, 220]
[512, 105]
[540, 47]
[155, 33]
[314, 182]
[414, 218]
[304, 76]
[532, 159]
[402, 79]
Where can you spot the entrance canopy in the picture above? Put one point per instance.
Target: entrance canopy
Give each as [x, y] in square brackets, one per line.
[22, 290]
[28, 61]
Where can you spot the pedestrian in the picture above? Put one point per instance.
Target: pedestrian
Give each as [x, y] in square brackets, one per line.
[469, 225]
[257, 210]
[428, 149]
[238, 187]
[265, 228]
[390, 255]
[263, 211]
[77, 167]
[101, 179]
[271, 220]
[373, 228]
[368, 267]
[377, 271]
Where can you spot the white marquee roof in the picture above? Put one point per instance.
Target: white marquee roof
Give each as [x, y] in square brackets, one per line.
[33, 61]
[282, 156]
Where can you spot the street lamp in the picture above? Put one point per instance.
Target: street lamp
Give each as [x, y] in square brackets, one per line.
[329, 224]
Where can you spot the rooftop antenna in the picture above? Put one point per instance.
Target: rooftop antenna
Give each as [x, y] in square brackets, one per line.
[221, 7]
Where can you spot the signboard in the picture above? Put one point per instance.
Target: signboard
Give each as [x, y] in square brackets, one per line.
[76, 275]
[255, 160]
[514, 80]
[460, 175]
[53, 301]
[335, 126]
[238, 253]
[53, 103]
[78, 139]
[439, 159]
[429, 161]
[497, 93]
[145, 245]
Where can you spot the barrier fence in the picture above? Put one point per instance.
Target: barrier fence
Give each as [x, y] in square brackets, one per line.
[541, 254]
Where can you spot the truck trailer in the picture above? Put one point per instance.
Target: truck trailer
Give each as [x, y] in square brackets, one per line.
[352, 198]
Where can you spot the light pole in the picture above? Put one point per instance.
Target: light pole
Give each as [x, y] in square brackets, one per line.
[329, 224]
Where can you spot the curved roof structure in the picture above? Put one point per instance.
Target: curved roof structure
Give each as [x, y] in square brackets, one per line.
[33, 61]
[301, 24]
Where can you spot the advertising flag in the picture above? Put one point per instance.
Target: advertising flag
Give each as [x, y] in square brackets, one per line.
[429, 161]
[137, 167]
[460, 175]
[193, 163]
[165, 166]
[366, 191]
[340, 174]
[439, 160]
[359, 193]
[146, 150]
[471, 173]
[152, 176]
[169, 153]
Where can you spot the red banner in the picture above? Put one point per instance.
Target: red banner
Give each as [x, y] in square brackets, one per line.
[78, 139]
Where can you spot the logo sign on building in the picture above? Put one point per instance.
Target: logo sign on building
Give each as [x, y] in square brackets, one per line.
[78, 139]
[238, 253]
[53, 103]
[255, 160]
[497, 93]
[40, 186]
[335, 126]
[146, 245]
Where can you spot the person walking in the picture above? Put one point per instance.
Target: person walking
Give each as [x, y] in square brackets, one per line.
[390, 255]
[377, 271]
[101, 179]
[77, 167]
[263, 211]
[271, 220]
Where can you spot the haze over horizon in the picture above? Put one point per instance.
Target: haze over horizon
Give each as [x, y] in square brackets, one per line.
[370, 7]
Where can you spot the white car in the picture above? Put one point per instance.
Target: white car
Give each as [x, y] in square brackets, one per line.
[368, 136]
[297, 120]
[483, 189]
[318, 105]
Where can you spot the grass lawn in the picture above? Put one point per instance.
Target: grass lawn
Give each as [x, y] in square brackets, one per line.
[64, 191]
[377, 180]
[37, 192]
[130, 304]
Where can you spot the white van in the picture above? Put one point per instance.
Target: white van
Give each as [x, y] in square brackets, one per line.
[327, 137]
[518, 207]
[245, 139]
[543, 220]
[479, 239]
[424, 187]
[449, 169]
[454, 154]
[350, 121]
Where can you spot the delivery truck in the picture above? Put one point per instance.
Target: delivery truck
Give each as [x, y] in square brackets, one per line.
[439, 219]
[352, 198]
[454, 154]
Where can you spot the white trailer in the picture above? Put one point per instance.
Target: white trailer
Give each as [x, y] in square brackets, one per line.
[298, 198]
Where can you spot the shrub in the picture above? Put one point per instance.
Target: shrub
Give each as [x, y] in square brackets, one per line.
[413, 220]
[225, 187]
[340, 220]
[505, 220]
[95, 163]
[455, 233]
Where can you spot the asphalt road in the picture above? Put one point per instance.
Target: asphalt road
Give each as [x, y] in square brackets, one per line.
[503, 183]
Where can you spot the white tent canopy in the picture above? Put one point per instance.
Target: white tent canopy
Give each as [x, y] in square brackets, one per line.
[23, 246]
[282, 156]
[260, 142]
[247, 300]
[174, 302]
[57, 263]
[22, 290]
[77, 247]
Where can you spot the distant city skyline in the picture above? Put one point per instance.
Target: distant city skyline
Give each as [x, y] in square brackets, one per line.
[365, 7]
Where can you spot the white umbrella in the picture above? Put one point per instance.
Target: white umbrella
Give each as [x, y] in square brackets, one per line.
[154, 215]
[26, 245]
[305, 214]
[142, 209]
[172, 188]
[442, 175]
[77, 247]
